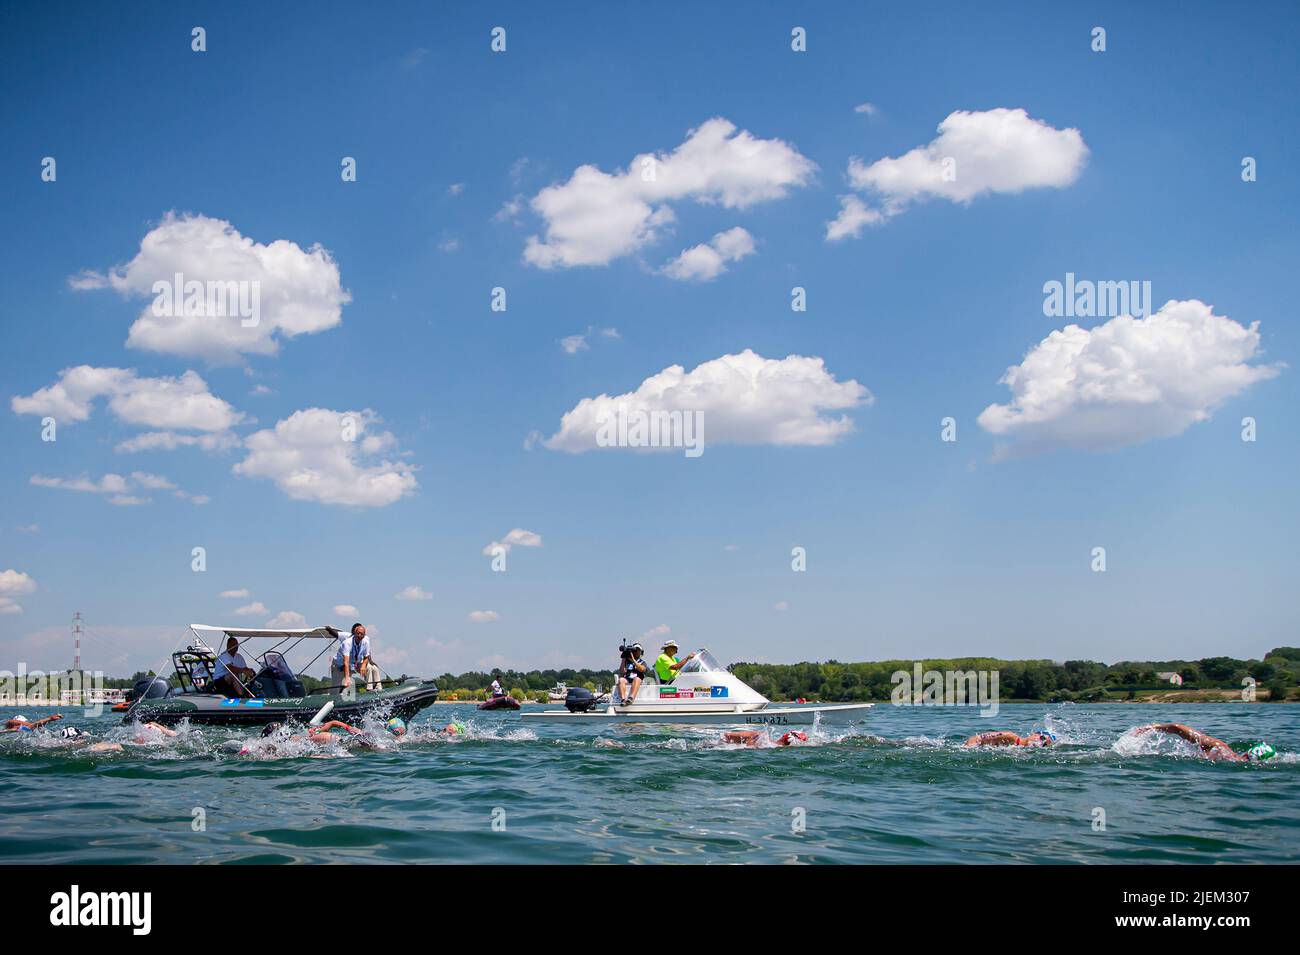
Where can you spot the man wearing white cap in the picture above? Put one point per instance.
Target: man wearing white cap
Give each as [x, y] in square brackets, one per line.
[667, 665]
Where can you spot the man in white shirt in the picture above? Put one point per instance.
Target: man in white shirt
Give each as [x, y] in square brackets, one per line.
[229, 666]
[353, 656]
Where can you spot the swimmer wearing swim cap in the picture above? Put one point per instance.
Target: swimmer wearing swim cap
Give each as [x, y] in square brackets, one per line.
[1260, 751]
[755, 738]
[21, 724]
[1212, 747]
[1037, 738]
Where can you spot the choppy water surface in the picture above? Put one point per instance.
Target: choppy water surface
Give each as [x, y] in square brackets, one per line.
[896, 787]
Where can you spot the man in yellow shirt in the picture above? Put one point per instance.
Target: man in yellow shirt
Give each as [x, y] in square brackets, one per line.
[667, 665]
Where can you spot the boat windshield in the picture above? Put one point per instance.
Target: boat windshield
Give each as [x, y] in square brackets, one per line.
[702, 662]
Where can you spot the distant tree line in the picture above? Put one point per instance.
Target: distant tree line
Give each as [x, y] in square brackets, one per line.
[832, 681]
[1080, 680]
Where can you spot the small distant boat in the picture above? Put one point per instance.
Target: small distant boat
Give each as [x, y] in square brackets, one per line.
[276, 693]
[703, 692]
[500, 703]
[557, 693]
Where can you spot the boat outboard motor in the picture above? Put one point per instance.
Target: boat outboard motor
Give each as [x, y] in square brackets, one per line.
[579, 699]
[150, 688]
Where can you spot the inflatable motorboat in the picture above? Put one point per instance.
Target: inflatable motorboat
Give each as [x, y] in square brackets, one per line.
[500, 703]
[275, 694]
[702, 692]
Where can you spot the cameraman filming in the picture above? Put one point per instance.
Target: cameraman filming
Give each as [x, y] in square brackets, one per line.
[631, 670]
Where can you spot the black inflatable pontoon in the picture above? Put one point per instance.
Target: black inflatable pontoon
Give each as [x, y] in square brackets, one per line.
[275, 694]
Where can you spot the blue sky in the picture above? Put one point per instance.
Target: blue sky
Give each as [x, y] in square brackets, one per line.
[1124, 165]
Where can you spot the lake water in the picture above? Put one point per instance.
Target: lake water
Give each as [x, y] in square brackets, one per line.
[895, 788]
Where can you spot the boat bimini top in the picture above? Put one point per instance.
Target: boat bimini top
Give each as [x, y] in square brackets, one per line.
[275, 692]
[195, 665]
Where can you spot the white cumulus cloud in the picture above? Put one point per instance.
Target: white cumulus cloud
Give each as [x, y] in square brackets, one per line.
[170, 441]
[183, 403]
[854, 215]
[16, 582]
[255, 609]
[240, 594]
[117, 489]
[572, 344]
[596, 217]
[1127, 380]
[483, 616]
[310, 458]
[518, 537]
[345, 610]
[708, 260]
[287, 620]
[743, 398]
[298, 291]
[413, 592]
[995, 151]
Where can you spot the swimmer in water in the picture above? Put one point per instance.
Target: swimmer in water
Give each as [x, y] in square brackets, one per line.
[21, 724]
[322, 734]
[149, 732]
[144, 734]
[1211, 747]
[315, 734]
[455, 728]
[1035, 739]
[396, 727]
[754, 738]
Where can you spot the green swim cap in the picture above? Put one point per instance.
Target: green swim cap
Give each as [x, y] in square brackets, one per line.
[1260, 751]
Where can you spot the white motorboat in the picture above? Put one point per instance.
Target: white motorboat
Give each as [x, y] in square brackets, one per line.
[702, 692]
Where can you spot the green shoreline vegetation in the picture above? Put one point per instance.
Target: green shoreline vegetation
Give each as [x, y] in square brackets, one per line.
[1212, 679]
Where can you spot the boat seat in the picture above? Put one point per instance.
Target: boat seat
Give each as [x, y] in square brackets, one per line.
[270, 685]
[277, 679]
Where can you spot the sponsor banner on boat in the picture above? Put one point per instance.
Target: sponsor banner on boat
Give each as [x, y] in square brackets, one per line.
[691, 693]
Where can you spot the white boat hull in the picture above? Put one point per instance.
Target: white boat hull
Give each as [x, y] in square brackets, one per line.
[714, 716]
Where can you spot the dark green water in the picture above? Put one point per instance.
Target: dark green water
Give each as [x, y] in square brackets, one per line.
[894, 789]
